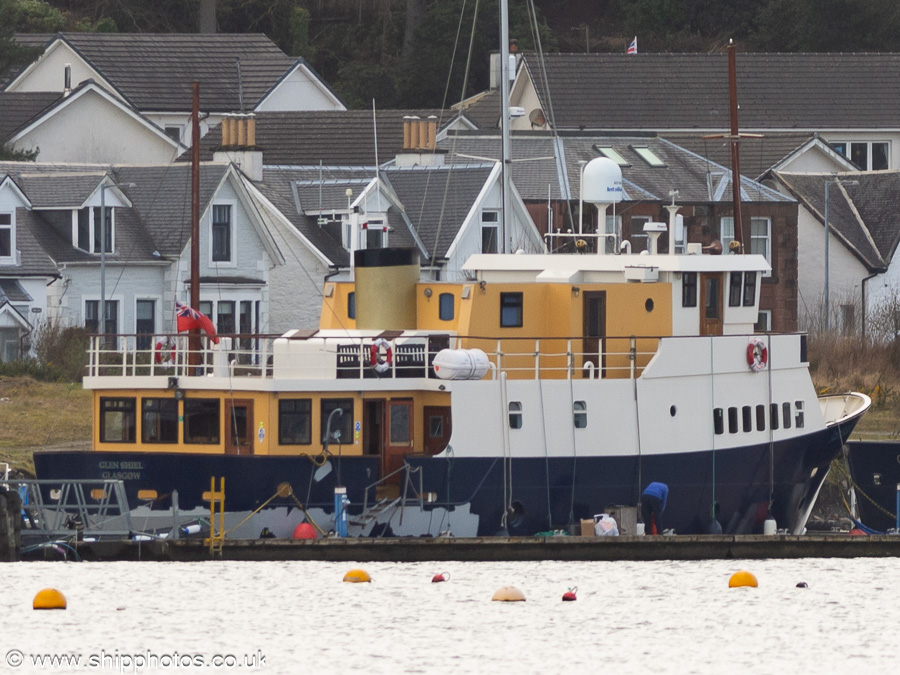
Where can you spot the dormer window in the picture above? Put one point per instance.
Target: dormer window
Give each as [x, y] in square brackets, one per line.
[490, 223]
[88, 226]
[7, 239]
[375, 233]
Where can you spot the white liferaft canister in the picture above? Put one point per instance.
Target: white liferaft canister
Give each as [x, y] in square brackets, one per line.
[461, 364]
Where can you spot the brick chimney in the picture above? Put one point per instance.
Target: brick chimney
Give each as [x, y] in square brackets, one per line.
[239, 145]
[419, 142]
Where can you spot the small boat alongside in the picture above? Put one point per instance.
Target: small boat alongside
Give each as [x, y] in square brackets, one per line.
[875, 471]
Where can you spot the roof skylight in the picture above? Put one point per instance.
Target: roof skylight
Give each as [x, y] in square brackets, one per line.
[612, 154]
[648, 155]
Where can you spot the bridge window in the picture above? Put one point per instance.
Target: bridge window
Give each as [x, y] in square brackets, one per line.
[295, 421]
[117, 420]
[159, 420]
[445, 307]
[511, 310]
[201, 421]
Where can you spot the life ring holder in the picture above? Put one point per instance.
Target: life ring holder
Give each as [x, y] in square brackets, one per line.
[164, 352]
[379, 360]
[757, 355]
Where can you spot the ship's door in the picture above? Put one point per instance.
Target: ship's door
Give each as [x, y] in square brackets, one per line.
[373, 436]
[398, 435]
[437, 428]
[711, 304]
[238, 427]
[594, 312]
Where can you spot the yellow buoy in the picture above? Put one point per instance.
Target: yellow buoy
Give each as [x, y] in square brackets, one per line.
[508, 594]
[49, 598]
[357, 577]
[742, 578]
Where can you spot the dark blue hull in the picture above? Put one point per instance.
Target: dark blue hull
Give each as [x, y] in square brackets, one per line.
[875, 469]
[545, 495]
[249, 480]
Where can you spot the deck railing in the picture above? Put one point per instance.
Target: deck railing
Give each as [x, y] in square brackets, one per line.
[351, 357]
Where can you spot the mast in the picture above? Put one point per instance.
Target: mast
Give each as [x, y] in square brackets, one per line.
[504, 123]
[194, 335]
[735, 147]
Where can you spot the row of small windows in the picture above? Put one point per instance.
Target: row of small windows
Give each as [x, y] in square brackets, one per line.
[445, 306]
[742, 419]
[159, 420]
[579, 410]
[741, 290]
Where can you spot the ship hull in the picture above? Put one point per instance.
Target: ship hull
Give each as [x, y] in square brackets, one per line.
[875, 470]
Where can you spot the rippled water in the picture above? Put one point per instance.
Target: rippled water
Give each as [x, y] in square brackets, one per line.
[647, 617]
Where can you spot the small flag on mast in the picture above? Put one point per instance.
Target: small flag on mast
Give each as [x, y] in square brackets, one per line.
[188, 318]
[632, 48]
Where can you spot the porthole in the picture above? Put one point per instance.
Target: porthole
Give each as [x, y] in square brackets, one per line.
[649, 305]
[672, 410]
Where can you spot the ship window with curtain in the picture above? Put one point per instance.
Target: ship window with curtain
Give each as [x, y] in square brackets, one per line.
[295, 421]
[201, 421]
[511, 305]
[749, 289]
[341, 423]
[798, 417]
[735, 287]
[732, 420]
[159, 420]
[689, 289]
[445, 307]
[718, 421]
[773, 415]
[117, 420]
[580, 414]
[515, 415]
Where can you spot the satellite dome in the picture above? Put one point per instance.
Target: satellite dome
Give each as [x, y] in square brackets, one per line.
[602, 181]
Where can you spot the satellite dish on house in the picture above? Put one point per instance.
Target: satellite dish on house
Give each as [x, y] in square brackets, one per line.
[602, 181]
[536, 117]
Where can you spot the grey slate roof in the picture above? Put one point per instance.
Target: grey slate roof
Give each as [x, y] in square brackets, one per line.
[657, 92]
[155, 72]
[19, 108]
[334, 137]
[159, 220]
[867, 222]
[697, 180]
[12, 290]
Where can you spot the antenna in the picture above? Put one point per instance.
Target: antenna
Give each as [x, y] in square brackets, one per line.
[377, 165]
[240, 85]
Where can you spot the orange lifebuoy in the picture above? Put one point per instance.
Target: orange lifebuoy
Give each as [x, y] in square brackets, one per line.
[164, 352]
[376, 360]
[757, 355]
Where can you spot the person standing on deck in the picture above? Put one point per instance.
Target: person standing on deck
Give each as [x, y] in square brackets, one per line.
[653, 505]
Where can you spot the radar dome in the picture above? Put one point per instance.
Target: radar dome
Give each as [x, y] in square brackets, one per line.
[602, 181]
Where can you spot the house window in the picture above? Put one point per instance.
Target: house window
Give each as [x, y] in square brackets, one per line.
[511, 310]
[760, 234]
[763, 321]
[490, 221]
[92, 316]
[89, 225]
[689, 289]
[341, 430]
[445, 306]
[580, 409]
[515, 415]
[612, 153]
[7, 240]
[159, 420]
[117, 420]
[295, 421]
[749, 289]
[638, 236]
[867, 155]
[225, 317]
[648, 156]
[174, 133]
[145, 323]
[375, 234]
[221, 233]
[613, 227]
[201, 421]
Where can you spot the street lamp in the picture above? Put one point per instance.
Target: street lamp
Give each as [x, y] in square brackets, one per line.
[827, 237]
